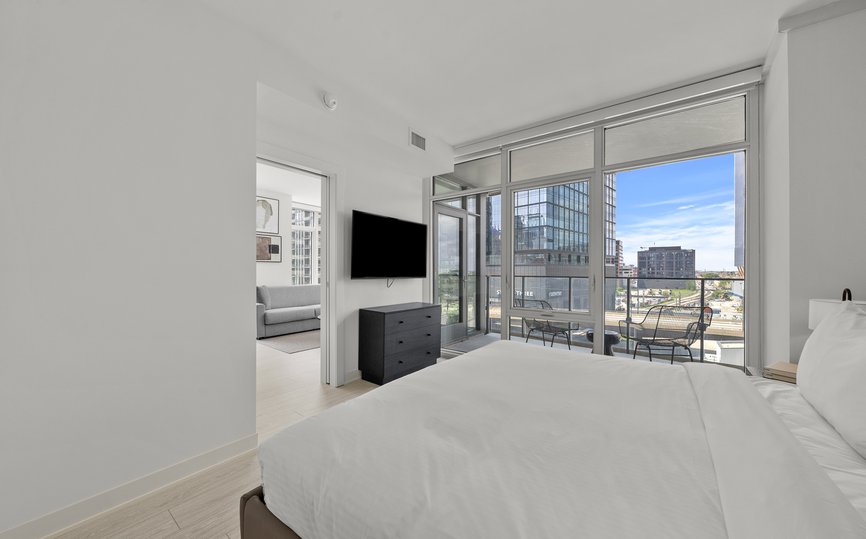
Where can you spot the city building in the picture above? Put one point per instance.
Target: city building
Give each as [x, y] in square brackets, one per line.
[306, 245]
[627, 271]
[624, 273]
[551, 251]
[666, 262]
[612, 247]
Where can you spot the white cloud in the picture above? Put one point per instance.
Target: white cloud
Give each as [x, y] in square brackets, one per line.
[684, 199]
[708, 229]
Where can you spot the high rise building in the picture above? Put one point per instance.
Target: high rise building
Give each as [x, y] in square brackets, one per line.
[612, 246]
[551, 244]
[669, 262]
[306, 245]
[628, 271]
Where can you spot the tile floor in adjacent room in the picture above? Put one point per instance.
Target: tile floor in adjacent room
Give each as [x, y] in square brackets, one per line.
[205, 505]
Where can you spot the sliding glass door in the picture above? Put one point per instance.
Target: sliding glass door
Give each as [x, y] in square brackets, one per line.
[467, 247]
[451, 262]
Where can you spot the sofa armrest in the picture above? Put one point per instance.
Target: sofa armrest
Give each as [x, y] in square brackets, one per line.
[260, 320]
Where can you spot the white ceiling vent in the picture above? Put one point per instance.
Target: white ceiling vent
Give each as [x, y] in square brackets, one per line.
[417, 140]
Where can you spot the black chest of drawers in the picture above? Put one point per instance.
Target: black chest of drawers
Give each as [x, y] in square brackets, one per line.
[395, 340]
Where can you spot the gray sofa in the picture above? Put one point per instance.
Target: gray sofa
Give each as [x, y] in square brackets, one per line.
[287, 309]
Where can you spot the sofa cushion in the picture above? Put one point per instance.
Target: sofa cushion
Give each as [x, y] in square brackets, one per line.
[292, 296]
[289, 314]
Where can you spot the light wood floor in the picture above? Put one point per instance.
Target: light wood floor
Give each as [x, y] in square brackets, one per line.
[205, 505]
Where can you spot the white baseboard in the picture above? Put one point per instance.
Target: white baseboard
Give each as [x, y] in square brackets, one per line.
[90, 507]
[350, 377]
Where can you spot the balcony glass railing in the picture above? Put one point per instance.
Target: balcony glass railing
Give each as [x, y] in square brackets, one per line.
[628, 299]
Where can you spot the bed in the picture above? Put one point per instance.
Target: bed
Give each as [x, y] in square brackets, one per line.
[513, 440]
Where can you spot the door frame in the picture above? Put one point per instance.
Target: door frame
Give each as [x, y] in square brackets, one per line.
[332, 364]
[463, 216]
[429, 205]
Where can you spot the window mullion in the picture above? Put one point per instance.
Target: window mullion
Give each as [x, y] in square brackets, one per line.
[597, 239]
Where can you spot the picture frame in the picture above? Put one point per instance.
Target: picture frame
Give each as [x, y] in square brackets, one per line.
[269, 248]
[267, 215]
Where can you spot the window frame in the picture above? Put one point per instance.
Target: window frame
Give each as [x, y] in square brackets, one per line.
[750, 146]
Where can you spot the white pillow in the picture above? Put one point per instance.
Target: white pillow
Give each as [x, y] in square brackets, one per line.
[832, 373]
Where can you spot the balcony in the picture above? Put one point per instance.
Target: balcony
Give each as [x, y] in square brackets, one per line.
[629, 299]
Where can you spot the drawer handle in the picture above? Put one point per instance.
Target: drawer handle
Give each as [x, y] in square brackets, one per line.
[429, 334]
[429, 316]
[399, 342]
[400, 361]
[428, 353]
[400, 322]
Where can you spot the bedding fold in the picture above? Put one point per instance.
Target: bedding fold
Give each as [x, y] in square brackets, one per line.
[769, 485]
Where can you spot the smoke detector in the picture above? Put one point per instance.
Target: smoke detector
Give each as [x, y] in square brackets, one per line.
[329, 101]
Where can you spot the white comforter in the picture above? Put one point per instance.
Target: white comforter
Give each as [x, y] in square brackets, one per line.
[517, 441]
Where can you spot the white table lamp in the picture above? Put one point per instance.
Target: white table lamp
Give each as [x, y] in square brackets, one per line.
[820, 308]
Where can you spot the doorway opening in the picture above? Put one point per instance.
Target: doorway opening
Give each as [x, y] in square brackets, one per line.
[298, 372]
[289, 295]
[467, 260]
[289, 238]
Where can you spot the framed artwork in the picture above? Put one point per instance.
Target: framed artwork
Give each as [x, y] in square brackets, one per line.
[267, 215]
[269, 248]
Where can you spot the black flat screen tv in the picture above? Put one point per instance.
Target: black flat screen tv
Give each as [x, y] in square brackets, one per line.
[385, 247]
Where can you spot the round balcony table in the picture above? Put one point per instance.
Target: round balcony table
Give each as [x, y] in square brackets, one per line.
[610, 338]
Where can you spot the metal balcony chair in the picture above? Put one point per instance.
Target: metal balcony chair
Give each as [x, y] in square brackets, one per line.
[668, 326]
[545, 327]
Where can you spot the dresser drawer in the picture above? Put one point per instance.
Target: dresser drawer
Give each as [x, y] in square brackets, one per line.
[406, 359]
[414, 319]
[397, 365]
[412, 339]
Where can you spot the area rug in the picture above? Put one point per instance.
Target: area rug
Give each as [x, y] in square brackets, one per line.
[294, 342]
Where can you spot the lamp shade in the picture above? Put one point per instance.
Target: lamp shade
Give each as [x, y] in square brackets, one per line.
[820, 308]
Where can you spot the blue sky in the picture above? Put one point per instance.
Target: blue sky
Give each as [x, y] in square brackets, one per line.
[689, 203]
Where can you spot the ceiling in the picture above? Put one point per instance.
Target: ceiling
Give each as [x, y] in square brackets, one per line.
[465, 70]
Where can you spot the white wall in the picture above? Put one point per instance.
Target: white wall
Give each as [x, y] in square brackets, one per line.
[278, 273]
[127, 155]
[827, 77]
[775, 208]
[127, 143]
[371, 176]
